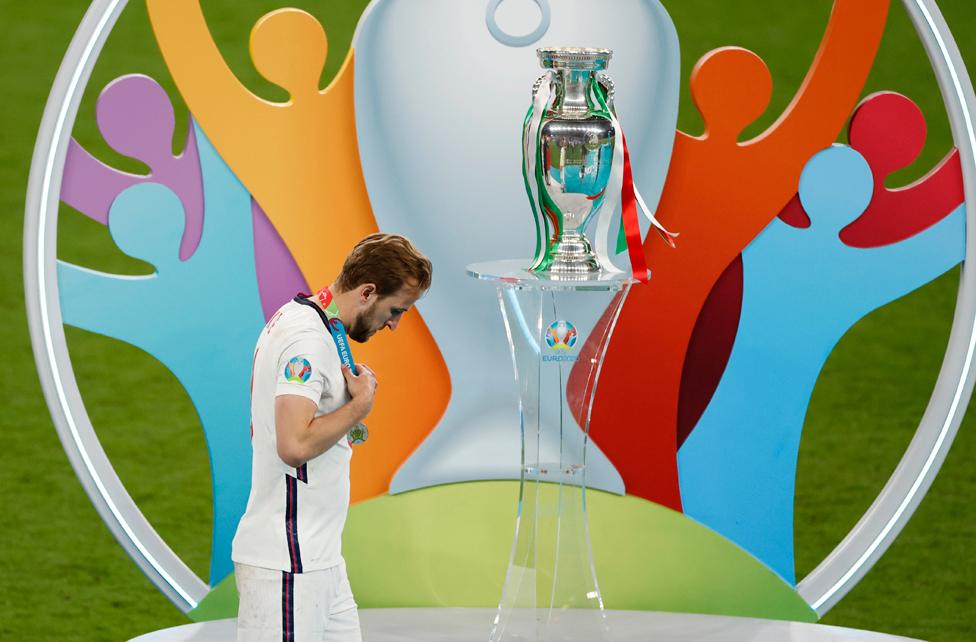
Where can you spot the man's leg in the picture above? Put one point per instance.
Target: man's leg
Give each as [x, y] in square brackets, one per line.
[343, 623]
[259, 613]
[277, 606]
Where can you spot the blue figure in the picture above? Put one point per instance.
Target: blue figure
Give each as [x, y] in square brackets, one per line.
[803, 289]
[199, 317]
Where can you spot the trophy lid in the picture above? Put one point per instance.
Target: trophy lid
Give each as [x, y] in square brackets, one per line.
[574, 58]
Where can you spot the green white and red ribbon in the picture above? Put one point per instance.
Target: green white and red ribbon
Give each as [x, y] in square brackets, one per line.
[620, 189]
[532, 171]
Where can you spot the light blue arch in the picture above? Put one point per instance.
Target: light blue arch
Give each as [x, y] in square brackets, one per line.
[451, 182]
[802, 290]
[200, 318]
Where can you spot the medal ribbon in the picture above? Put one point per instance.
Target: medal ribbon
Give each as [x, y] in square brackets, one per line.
[330, 315]
[336, 329]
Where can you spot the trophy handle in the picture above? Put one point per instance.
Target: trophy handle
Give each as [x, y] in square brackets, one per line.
[607, 83]
[538, 83]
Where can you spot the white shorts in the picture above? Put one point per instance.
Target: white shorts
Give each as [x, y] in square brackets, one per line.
[278, 606]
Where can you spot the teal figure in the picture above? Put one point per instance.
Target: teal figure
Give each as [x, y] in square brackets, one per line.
[802, 290]
[199, 317]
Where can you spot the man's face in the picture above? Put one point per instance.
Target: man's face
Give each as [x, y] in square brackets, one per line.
[384, 312]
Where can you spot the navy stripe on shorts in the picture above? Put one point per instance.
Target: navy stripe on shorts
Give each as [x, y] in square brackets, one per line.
[287, 607]
[291, 523]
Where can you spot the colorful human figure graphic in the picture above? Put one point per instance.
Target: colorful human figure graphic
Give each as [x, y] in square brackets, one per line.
[714, 333]
[136, 118]
[279, 278]
[200, 317]
[709, 348]
[803, 289]
[719, 194]
[893, 215]
[299, 158]
[898, 213]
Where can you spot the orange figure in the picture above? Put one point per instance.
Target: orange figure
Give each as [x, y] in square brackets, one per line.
[300, 160]
[719, 194]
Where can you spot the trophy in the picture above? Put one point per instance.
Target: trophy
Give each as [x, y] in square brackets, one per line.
[569, 138]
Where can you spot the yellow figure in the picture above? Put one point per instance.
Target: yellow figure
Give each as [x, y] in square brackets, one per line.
[300, 161]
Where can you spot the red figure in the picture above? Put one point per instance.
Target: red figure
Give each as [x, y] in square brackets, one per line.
[889, 131]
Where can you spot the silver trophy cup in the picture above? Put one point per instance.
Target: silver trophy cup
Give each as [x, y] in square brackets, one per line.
[576, 146]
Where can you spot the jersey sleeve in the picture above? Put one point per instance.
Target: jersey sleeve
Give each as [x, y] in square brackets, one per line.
[305, 366]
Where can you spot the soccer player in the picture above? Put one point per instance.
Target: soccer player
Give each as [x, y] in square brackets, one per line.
[308, 401]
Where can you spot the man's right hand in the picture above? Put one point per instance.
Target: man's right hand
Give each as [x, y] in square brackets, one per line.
[362, 387]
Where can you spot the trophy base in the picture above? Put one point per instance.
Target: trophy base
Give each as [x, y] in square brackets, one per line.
[573, 257]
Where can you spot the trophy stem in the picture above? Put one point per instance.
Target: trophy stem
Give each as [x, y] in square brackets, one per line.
[572, 255]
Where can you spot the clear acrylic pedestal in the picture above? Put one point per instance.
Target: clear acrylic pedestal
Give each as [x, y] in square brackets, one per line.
[551, 591]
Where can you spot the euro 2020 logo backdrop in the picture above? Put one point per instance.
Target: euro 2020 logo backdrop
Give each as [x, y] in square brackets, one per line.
[264, 199]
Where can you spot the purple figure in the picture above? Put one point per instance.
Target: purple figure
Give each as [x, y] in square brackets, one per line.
[279, 278]
[136, 118]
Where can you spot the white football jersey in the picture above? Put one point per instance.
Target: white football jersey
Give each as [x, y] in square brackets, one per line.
[294, 516]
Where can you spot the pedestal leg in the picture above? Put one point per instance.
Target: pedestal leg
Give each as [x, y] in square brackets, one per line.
[551, 590]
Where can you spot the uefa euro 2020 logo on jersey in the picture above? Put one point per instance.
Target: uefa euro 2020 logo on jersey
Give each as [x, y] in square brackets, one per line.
[298, 370]
[561, 335]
